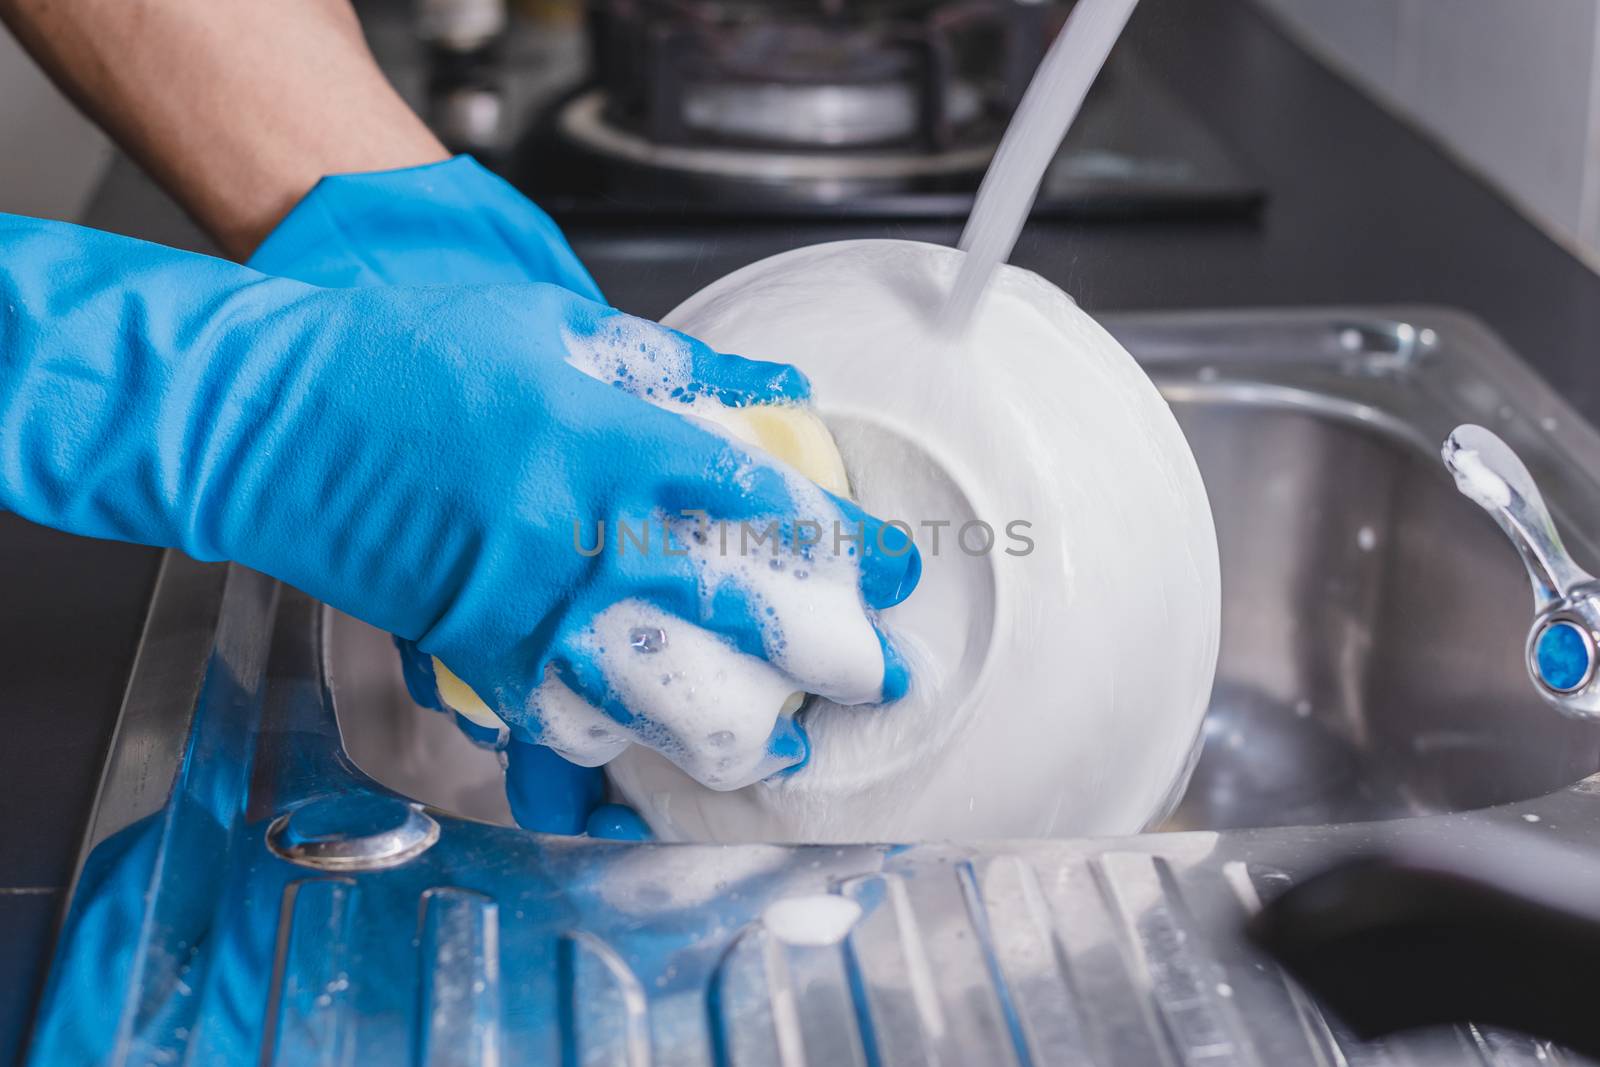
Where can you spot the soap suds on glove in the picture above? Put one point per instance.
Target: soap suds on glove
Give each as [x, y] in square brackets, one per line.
[636, 356]
[694, 697]
[698, 700]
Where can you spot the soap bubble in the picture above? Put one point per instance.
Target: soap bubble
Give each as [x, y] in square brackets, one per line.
[647, 638]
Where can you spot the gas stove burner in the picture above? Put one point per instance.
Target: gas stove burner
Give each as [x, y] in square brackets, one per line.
[583, 122]
[909, 75]
[838, 115]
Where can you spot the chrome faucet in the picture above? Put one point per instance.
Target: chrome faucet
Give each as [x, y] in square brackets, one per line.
[1561, 649]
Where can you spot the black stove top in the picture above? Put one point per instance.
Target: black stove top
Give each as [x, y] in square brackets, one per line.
[1135, 152]
[865, 108]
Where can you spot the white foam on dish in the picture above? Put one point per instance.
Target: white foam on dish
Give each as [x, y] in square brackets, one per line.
[1053, 693]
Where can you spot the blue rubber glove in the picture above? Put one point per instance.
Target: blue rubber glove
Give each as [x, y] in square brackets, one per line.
[422, 458]
[448, 223]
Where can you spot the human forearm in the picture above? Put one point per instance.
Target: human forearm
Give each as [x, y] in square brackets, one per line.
[237, 108]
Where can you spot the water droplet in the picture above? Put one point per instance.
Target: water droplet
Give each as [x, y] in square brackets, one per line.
[666, 679]
[1367, 538]
[599, 733]
[801, 572]
[647, 638]
[775, 563]
[1530, 817]
[720, 739]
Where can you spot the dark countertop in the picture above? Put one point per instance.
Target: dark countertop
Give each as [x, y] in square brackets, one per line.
[1361, 211]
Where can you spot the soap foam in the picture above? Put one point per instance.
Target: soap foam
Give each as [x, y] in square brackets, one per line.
[1478, 482]
[697, 699]
[700, 702]
[636, 356]
[814, 921]
[815, 626]
[580, 732]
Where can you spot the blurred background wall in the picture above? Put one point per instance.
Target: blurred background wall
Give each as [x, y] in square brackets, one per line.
[1511, 87]
[51, 158]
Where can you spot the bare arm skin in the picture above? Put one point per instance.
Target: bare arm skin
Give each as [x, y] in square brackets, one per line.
[237, 107]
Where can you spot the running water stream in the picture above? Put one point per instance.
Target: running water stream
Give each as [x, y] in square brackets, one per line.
[1048, 108]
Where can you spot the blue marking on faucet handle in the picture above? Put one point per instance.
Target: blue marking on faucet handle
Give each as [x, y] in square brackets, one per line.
[1563, 655]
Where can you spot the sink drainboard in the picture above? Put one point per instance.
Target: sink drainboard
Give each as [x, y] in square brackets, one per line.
[258, 886]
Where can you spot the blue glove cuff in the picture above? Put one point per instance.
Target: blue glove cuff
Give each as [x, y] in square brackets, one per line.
[450, 223]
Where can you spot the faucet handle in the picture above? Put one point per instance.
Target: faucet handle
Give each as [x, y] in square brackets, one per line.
[1561, 649]
[1488, 472]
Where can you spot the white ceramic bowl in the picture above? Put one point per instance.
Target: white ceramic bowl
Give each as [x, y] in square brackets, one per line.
[1055, 692]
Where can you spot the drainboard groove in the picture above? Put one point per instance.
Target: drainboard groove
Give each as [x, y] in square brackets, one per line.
[1250, 884]
[308, 1019]
[739, 1011]
[905, 1020]
[604, 1010]
[1179, 980]
[978, 916]
[1034, 974]
[928, 986]
[818, 1002]
[459, 1014]
[775, 1002]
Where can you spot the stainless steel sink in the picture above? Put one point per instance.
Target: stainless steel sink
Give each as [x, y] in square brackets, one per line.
[1371, 688]
[1373, 618]
[1373, 626]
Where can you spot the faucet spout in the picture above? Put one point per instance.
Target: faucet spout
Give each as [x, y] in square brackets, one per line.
[1561, 648]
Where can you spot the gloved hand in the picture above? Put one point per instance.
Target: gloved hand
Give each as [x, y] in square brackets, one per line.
[450, 223]
[424, 459]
